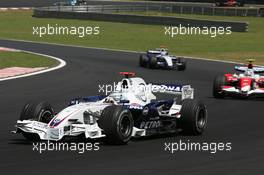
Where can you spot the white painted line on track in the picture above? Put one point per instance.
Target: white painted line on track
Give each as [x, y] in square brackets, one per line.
[62, 63]
[14, 8]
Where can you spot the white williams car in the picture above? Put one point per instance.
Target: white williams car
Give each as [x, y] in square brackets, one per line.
[160, 59]
[132, 110]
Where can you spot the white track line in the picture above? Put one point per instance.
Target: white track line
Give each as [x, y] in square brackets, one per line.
[62, 64]
[15, 8]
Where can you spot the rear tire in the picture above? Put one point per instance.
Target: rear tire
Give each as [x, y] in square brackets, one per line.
[193, 118]
[117, 123]
[153, 63]
[219, 81]
[142, 61]
[42, 112]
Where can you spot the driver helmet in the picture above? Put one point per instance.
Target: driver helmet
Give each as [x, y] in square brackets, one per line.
[250, 66]
[250, 63]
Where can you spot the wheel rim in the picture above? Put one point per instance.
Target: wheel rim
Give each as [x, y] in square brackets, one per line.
[201, 119]
[45, 116]
[125, 126]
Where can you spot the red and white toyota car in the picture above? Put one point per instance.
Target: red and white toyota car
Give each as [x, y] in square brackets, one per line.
[246, 84]
[230, 3]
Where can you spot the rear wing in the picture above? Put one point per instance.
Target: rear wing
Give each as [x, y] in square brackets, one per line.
[244, 68]
[185, 91]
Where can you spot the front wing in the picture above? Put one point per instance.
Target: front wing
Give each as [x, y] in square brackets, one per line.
[232, 91]
[48, 133]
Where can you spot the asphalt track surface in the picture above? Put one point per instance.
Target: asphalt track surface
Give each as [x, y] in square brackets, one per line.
[237, 121]
[26, 3]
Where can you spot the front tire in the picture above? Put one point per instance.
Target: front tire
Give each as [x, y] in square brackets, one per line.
[117, 123]
[193, 118]
[181, 67]
[42, 112]
[219, 82]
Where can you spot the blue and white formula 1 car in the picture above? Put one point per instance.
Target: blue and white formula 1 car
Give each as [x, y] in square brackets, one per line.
[131, 110]
[71, 3]
[77, 2]
[160, 58]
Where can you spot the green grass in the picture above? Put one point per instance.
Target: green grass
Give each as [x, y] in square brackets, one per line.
[21, 59]
[237, 46]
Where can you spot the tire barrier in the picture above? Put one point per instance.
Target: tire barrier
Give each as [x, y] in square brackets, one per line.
[90, 13]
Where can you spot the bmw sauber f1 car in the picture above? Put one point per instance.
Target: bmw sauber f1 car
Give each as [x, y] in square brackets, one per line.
[131, 110]
[160, 58]
[246, 84]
